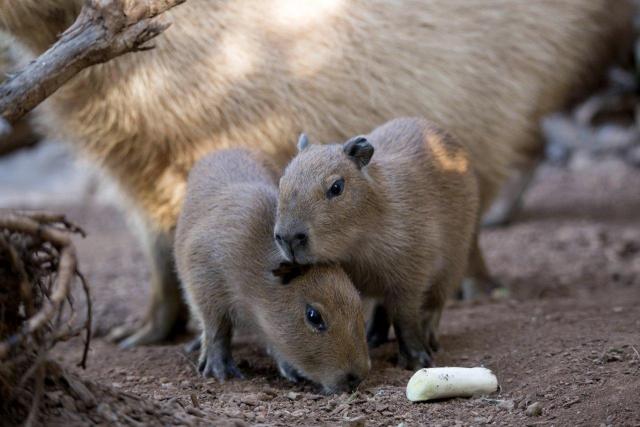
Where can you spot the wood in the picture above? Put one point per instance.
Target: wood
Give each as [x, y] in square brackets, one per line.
[103, 30]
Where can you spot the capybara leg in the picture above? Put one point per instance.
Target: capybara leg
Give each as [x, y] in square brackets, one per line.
[215, 354]
[413, 349]
[509, 200]
[378, 328]
[433, 305]
[478, 283]
[168, 314]
[412, 352]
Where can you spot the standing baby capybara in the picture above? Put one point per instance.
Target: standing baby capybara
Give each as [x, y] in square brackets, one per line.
[309, 318]
[398, 208]
[238, 73]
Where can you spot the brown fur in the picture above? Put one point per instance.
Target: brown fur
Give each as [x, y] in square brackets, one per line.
[402, 227]
[225, 256]
[256, 73]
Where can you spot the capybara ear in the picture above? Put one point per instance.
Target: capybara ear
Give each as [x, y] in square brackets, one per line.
[303, 142]
[287, 271]
[359, 150]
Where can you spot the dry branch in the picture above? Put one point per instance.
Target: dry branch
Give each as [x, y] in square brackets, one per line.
[103, 30]
[37, 270]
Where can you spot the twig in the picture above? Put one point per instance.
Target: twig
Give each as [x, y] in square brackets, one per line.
[37, 395]
[88, 325]
[103, 30]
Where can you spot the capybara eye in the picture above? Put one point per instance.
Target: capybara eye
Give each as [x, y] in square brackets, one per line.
[336, 188]
[315, 319]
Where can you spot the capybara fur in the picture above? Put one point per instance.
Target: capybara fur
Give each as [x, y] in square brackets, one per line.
[256, 73]
[310, 321]
[398, 208]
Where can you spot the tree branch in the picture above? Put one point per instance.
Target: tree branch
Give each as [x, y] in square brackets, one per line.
[103, 30]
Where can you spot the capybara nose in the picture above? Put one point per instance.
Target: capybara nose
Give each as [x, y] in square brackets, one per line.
[299, 240]
[294, 241]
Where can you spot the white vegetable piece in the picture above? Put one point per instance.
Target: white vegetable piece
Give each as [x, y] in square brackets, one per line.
[440, 383]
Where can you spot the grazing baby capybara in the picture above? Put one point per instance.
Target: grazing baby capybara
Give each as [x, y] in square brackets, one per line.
[309, 317]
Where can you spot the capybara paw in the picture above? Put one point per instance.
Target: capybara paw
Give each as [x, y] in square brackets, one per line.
[414, 360]
[221, 368]
[289, 372]
[129, 336]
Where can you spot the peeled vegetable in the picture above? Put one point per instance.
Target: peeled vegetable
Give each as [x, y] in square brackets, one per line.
[440, 383]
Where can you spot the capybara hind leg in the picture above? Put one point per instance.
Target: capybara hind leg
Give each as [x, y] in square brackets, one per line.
[168, 314]
[509, 200]
[478, 283]
[378, 328]
[413, 348]
[215, 354]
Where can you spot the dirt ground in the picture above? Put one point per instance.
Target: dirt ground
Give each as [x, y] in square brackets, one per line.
[567, 336]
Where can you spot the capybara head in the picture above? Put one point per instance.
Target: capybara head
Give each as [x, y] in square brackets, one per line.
[324, 194]
[318, 329]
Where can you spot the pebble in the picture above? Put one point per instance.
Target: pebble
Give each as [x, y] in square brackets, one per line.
[292, 395]
[534, 410]
[264, 396]
[250, 399]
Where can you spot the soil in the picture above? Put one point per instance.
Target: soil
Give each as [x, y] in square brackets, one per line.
[566, 337]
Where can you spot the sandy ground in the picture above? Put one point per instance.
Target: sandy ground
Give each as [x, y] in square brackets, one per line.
[567, 336]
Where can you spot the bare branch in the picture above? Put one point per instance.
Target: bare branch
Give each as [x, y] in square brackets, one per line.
[103, 30]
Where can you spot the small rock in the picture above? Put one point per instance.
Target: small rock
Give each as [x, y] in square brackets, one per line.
[298, 413]
[534, 410]
[292, 395]
[265, 397]
[250, 399]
